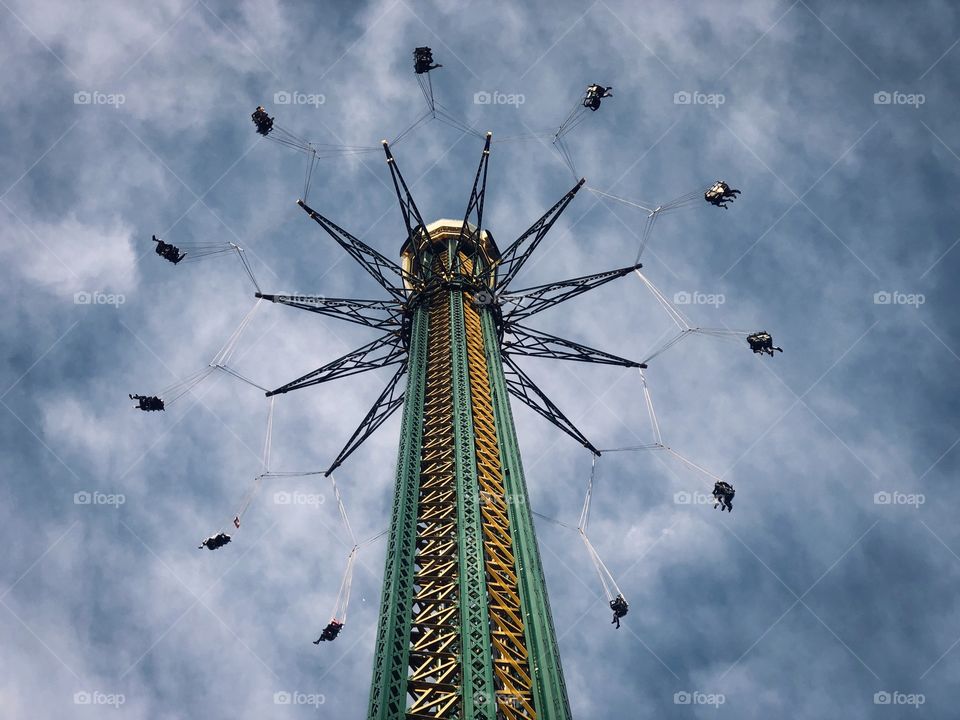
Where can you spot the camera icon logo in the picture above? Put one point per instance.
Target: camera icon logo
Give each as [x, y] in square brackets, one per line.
[282, 498]
[682, 698]
[882, 298]
[282, 98]
[682, 298]
[682, 98]
[483, 298]
[82, 98]
[882, 98]
[82, 298]
[882, 498]
[882, 698]
[82, 498]
[82, 698]
[682, 498]
[482, 98]
[282, 698]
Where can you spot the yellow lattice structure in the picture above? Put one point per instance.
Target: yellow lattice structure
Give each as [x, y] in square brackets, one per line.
[514, 692]
[434, 676]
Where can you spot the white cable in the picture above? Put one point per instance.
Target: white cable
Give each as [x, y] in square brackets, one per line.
[234, 373]
[247, 499]
[675, 314]
[647, 232]
[610, 587]
[655, 424]
[343, 512]
[176, 390]
[373, 538]
[268, 439]
[690, 463]
[585, 512]
[223, 356]
[667, 345]
[246, 266]
[620, 199]
[553, 520]
[634, 448]
[343, 595]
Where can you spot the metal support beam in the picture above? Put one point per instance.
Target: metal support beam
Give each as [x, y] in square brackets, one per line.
[524, 389]
[532, 300]
[388, 690]
[474, 206]
[379, 267]
[417, 233]
[515, 256]
[379, 314]
[385, 350]
[534, 343]
[550, 693]
[478, 699]
[390, 399]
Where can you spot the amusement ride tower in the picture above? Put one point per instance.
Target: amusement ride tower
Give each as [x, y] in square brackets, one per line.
[465, 626]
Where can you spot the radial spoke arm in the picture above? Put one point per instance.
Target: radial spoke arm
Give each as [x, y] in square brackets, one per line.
[385, 350]
[381, 314]
[390, 399]
[475, 204]
[381, 268]
[524, 389]
[412, 219]
[517, 254]
[530, 301]
[534, 343]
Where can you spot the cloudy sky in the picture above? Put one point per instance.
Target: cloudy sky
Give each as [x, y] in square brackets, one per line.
[830, 590]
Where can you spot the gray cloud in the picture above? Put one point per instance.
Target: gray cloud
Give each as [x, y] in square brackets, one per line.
[805, 602]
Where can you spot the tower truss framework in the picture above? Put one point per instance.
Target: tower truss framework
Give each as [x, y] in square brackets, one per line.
[465, 626]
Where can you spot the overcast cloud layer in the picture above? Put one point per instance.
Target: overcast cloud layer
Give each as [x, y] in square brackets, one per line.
[829, 592]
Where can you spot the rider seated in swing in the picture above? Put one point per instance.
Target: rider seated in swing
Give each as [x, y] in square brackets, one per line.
[147, 402]
[595, 93]
[720, 194]
[263, 121]
[423, 60]
[620, 608]
[215, 542]
[723, 493]
[330, 632]
[168, 251]
[762, 342]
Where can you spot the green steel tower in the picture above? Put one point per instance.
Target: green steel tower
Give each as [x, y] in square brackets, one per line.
[465, 626]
